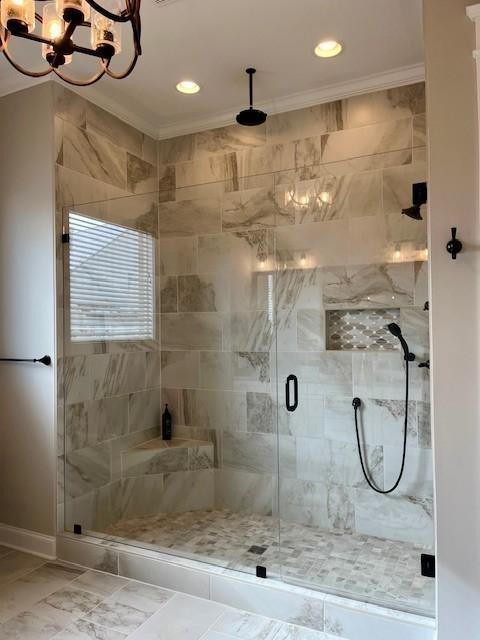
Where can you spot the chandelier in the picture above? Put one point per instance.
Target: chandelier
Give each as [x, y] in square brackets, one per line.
[57, 25]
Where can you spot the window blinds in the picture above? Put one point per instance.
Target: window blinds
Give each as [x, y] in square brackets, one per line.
[111, 281]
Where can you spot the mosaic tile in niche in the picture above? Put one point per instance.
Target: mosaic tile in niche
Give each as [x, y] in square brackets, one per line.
[361, 329]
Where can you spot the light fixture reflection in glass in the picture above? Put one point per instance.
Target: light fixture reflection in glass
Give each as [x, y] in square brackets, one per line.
[53, 28]
[325, 197]
[303, 260]
[18, 15]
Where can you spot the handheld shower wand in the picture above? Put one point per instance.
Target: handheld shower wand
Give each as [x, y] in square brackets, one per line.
[357, 403]
[397, 332]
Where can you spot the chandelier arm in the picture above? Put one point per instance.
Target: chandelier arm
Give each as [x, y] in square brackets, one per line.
[127, 72]
[16, 65]
[81, 83]
[123, 17]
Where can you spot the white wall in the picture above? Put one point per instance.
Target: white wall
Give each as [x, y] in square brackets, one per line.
[453, 201]
[27, 320]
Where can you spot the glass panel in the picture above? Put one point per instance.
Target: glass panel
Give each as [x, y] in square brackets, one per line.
[211, 491]
[348, 265]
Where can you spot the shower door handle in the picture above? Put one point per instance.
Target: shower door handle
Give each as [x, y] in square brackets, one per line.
[291, 406]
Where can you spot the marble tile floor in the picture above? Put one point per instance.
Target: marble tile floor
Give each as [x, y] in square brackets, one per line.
[40, 600]
[384, 572]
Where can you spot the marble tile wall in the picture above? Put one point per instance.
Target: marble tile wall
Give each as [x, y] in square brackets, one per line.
[109, 392]
[261, 233]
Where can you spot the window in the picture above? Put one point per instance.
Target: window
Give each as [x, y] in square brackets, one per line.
[111, 281]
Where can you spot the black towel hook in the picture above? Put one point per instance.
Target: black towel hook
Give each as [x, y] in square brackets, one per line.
[454, 246]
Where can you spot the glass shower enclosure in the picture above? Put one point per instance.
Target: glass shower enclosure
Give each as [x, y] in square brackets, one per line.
[207, 298]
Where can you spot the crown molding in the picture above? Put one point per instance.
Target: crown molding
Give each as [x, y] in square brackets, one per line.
[473, 12]
[302, 100]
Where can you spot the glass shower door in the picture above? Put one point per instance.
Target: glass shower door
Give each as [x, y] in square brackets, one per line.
[169, 299]
[348, 264]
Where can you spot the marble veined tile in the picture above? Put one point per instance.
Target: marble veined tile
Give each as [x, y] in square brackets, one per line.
[189, 217]
[94, 156]
[243, 370]
[390, 284]
[350, 195]
[303, 123]
[108, 126]
[144, 410]
[29, 626]
[168, 294]
[370, 139]
[420, 130]
[212, 409]
[380, 106]
[83, 630]
[207, 169]
[206, 292]
[294, 632]
[141, 175]
[103, 584]
[144, 597]
[395, 517]
[267, 159]
[175, 150]
[247, 626]
[337, 462]
[424, 425]
[178, 255]
[324, 373]
[250, 452]
[311, 330]
[252, 209]
[66, 604]
[181, 368]
[260, 414]
[93, 422]
[230, 138]
[418, 473]
[27, 590]
[70, 106]
[248, 331]
[189, 491]
[140, 463]
[87, 469]
[183, 618]
[192, 331]
[16, 564]
[243, 491]
[118, 616]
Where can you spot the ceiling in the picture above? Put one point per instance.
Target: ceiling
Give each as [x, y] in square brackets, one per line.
[213, 41]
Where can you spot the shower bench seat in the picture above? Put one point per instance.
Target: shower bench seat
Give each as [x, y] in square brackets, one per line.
[159, 456]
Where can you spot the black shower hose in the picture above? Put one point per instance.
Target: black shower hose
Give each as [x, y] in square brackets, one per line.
[356, 405]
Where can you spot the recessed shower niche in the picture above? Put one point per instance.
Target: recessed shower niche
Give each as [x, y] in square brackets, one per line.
[361, 329]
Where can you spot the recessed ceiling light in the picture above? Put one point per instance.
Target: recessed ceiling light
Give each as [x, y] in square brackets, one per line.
[188, 86]
[328, 49]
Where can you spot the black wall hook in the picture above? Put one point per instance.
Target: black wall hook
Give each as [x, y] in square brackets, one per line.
[454, 246]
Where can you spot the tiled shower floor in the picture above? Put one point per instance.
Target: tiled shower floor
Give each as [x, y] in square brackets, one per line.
[374, 569]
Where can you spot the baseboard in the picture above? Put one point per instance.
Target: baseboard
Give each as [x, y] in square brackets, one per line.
[38, 544]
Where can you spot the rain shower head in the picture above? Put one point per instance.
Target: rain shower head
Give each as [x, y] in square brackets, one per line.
[251, 117]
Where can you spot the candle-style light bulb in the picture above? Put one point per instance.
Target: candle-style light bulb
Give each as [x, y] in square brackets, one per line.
[106, 34]
[53, 28]
[18, 16]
